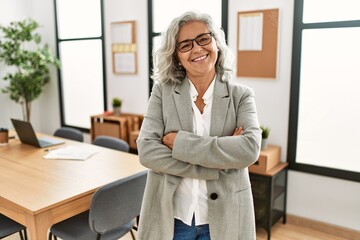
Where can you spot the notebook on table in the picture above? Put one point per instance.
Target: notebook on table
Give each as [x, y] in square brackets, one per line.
[27, 135]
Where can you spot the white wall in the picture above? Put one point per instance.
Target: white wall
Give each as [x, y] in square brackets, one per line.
[320, 198]
[324, 199]
[133, 89]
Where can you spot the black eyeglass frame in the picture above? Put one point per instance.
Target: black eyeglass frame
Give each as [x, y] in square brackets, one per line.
[195, 39]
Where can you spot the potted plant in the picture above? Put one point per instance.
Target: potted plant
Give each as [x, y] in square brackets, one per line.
[264, 136]
[116, 104]
[21, 50]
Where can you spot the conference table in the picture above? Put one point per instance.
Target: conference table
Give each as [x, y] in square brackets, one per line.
[39, 192]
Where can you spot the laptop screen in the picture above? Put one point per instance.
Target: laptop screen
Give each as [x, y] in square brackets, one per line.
[27, 135]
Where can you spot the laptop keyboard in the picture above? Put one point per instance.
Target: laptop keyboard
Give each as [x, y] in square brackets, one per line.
[43, 142]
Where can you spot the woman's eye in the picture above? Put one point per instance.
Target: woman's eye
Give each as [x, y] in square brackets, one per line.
[185, 46]
[203, 39]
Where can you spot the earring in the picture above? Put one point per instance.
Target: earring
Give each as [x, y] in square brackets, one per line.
[180, 67]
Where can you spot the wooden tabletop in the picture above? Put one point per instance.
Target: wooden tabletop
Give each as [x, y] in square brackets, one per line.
[31, 185]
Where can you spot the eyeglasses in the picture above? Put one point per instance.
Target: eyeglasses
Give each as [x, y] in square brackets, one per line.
[201, 40]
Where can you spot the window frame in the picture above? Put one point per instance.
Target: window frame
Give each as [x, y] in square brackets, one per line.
[60, 84]
[299, 26]
[152, 34]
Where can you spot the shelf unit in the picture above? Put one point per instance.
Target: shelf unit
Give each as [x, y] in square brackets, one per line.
[126, 126]
[269, 192]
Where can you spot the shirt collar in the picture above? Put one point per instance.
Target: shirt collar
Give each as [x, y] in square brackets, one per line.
[208, 94]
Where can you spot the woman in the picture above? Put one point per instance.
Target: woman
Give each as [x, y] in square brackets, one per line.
[199, 135]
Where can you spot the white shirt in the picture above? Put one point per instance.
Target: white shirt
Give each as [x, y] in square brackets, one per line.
[191, 196]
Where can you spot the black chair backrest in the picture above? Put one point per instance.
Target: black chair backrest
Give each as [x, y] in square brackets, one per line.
[9, 226]
[69, 133]
[117, 203]
[112, 142]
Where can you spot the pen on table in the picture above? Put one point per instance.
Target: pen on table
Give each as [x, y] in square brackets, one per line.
[50, 149]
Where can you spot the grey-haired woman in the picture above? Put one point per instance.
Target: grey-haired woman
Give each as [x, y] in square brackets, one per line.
[199, 135]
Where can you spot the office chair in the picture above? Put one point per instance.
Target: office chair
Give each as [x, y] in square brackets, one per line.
[113, 210]
[9, 227]
[69, 133]
[112, 142]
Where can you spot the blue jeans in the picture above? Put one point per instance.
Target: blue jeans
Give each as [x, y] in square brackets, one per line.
[186, 232]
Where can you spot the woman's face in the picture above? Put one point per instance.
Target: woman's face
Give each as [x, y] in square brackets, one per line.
[200, 60]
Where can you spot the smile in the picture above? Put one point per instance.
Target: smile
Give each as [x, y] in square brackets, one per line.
[199, 58]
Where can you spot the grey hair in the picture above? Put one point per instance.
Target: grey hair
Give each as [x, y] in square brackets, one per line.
[166, 64]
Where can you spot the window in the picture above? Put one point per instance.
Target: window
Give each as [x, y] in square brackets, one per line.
[80, 49]
[324, 105]
[162, 12]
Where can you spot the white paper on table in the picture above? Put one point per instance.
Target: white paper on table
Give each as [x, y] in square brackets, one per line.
[71, 153]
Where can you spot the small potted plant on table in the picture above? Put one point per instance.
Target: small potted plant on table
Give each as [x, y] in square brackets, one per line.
[116, 104]
[264, 137]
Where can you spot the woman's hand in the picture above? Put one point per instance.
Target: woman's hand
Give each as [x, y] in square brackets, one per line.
[238, 131]
[169, 139]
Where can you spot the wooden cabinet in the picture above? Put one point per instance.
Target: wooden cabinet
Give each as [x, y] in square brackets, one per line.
[269, 192]
[125, 126]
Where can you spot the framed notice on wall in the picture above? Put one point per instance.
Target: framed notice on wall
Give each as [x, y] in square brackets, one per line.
[257, 42]
[124, 49]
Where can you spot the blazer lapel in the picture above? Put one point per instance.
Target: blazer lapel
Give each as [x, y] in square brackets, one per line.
[182, 100]
[220, 107]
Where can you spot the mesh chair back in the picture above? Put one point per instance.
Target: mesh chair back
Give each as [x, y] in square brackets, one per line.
[69, 133]
[117, 203]
[112, 142]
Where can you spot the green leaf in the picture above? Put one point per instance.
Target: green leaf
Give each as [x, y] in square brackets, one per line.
[265, 131]
[31, 74]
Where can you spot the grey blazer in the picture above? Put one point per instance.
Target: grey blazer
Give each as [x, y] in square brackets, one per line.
[221, 159]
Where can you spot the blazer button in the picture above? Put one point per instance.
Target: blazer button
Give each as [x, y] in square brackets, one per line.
[213, 196]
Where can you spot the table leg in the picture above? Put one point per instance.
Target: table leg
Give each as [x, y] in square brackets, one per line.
[38, 225]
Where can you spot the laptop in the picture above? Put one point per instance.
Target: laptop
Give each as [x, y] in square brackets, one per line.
[27, 135]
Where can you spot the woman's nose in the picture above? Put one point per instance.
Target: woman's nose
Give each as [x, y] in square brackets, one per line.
[197, 47]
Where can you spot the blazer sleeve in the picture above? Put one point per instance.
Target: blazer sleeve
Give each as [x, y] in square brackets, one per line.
[224, 152]
[155, 155]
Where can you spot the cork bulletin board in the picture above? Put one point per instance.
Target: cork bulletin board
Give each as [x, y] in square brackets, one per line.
[257, 43]
[124, 49]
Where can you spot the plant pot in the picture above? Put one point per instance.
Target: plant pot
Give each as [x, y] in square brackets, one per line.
[117, 111]
[4, 136]
[264, 143]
